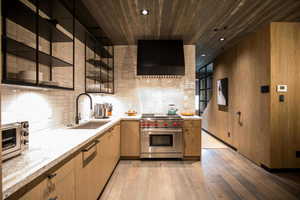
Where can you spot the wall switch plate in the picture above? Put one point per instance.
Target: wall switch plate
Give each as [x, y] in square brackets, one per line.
[265, 89]
[282, 88]
[281, 98]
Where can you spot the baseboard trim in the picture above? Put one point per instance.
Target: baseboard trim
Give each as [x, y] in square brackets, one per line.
[130, 158]
[279, 170]
[192, 158]
[232, 147]
[108, 180]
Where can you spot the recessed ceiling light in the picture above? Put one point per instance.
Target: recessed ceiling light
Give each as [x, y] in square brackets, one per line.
[203, 55]
[145, 12]
[222, 39]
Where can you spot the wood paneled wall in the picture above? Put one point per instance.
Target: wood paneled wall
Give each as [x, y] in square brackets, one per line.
[247, 68]
[268, 131]
[285, 116]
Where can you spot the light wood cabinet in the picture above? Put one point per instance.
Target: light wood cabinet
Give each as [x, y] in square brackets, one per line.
[36, 192]
[88, 171]
[192, 138]
[130, 139]
[82, 177]
[59, 184]
[95, 166]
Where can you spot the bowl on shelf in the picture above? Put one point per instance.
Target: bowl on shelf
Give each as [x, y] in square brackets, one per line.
[131, 113]
[187, 114]
[29, 76]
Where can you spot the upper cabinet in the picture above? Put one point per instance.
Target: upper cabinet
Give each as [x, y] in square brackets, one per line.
[38, 44]
[99, 67]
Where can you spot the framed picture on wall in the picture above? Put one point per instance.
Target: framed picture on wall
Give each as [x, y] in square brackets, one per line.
[222, 92]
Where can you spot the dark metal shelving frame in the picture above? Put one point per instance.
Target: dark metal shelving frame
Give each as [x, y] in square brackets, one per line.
[41, 27]
[101, 64]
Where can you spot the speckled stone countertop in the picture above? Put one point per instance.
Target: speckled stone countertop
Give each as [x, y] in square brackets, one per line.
[48, 148]
[195, 117]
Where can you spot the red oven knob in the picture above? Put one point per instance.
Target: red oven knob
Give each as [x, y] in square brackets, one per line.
[174, 124]
[165, 124]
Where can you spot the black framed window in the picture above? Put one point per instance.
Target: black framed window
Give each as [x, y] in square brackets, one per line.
[204, 88]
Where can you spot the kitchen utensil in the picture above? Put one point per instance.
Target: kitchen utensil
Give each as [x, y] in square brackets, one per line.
[101, 111]
[172, 109]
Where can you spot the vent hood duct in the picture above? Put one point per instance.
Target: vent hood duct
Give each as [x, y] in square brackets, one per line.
[160, 57]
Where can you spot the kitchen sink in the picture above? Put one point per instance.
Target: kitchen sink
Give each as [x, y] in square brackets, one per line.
[90, 125]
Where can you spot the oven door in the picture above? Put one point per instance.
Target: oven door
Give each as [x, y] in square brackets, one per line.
[161, 140]
[11, 140]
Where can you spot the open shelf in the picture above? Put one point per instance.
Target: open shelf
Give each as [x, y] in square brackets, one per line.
[103, 52]
[22, 50]
[101, 77]
[23, 15]
[48, 31]
[18, 83]
[97, 46]
[99, 63]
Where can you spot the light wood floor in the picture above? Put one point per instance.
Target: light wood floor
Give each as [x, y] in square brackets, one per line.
[209, 142]
[222, 174]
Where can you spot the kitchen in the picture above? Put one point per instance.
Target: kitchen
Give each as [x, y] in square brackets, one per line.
[93, 120]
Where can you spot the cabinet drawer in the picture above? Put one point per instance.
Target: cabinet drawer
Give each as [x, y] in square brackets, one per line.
[89, 152]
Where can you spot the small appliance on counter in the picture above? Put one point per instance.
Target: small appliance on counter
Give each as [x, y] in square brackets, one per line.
[172, 109]
[15, 139]
[102, 111]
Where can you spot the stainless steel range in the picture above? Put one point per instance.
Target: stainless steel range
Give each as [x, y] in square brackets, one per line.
[161, 136]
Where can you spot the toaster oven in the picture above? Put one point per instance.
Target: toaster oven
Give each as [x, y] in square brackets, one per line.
[14, 139]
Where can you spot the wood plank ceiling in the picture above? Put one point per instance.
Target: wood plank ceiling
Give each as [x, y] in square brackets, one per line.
[200, 22]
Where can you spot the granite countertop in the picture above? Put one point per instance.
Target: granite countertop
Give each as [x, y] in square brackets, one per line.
[46, 149]
[43, 154]
[195, 117]
[138, 117]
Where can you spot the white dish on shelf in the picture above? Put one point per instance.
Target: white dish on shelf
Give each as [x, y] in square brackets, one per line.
[29, 75]
[51, 83]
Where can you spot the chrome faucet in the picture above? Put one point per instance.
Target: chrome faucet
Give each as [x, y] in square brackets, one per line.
[77, 118]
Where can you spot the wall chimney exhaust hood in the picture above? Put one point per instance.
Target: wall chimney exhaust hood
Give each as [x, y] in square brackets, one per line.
[160, 58]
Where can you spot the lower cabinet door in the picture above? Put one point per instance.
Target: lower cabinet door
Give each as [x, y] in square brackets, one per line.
[36, 192]
[87, 168]
[64, 182]
[57, 185]
[192, 138]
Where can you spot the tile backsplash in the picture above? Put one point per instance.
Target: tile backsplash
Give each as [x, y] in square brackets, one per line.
[147, 95]
[45, 109]
[56, 108]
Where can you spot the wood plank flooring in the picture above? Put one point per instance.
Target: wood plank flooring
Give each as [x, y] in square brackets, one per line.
[209, 142]
[222, 174]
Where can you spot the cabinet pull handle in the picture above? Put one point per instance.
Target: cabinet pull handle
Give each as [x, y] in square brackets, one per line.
[54, 198]
[51, 176]
[91, 146]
